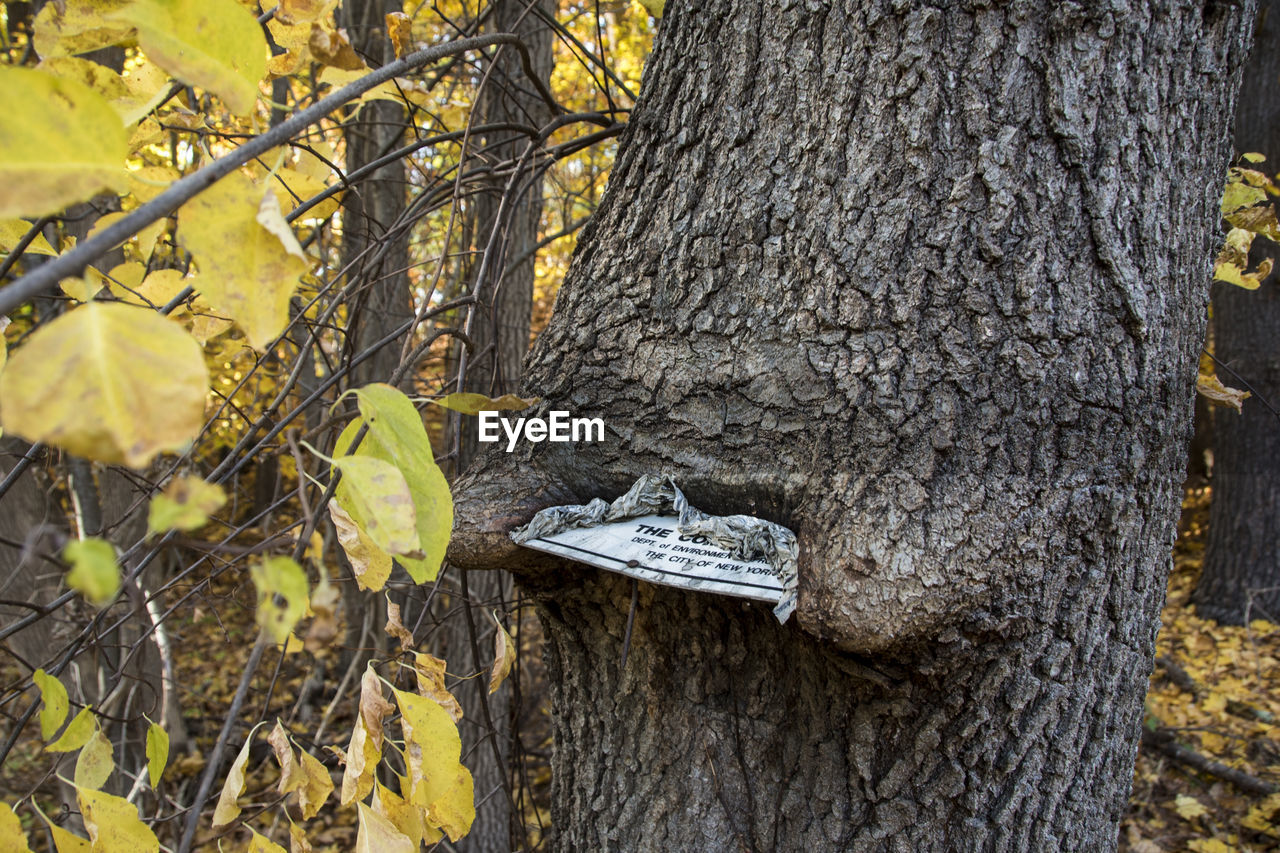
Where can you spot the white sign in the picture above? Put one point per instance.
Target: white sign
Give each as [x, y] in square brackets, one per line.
[653, 549]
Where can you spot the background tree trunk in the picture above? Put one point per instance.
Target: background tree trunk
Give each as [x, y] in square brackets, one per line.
[927, 287]
[506, 223]
[378, 262]
[1241, 576]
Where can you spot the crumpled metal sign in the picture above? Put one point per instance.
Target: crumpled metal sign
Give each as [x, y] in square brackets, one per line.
[652, 533]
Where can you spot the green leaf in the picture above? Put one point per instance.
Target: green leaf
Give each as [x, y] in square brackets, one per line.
[250, 262]
[54, 695]
[95, 574]
[45, 160]
[78, 732]
[107, 381]
[157, 752]
[473, 404]
[396, 435]
[377, 497]
[280, 577]
[214, 44]
[185, 504]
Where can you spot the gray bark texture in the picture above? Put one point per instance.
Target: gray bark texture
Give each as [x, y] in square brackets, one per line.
[508, 210]
[925, 284]
[1241, 577]
[377, 205]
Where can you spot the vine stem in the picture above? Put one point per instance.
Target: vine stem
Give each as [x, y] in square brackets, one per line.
[73, 263]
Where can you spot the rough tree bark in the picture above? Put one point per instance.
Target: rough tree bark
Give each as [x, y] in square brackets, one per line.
[1241, 577]
[924, 283]
[380, 263]
[499, 341]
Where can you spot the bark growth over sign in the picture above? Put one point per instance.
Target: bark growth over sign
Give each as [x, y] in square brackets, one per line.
[925, 286]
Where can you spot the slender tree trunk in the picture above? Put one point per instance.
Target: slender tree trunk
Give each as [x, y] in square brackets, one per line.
[1241, 577]
[508, 211]
[927, 287]
[377, 262]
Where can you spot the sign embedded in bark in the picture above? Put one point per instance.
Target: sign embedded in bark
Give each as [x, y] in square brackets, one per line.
[652, 533]
[652, 548]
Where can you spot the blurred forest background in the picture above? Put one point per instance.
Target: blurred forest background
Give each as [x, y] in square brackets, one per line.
[435, 217]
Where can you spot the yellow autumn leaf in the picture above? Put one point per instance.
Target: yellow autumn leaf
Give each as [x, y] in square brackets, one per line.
[1261, 816]
[292, 187]
[139, 246]
[1212, 388]
[78, 26]
[653, 7]
[403, 815]
[1233, 273]
[1189, 808]
[13, 230]
[77, 733]
[324, 621]
[248, 269]
[44, 163]
[376, 496]
[157, 752]
[95, 573]
[113, 823]
[395, 628]
[64, 841]
[217, 45]
[379, 835]
[12, 838]
[147, 182]
[504, 655]
[228, 809]
[370, 564]
[473, 404]
[95, 763]
[54, 696]
[84, 287]
[440, 784]
[399, 30]
[1210, 845]
[430, 672]
[185, 504]
[396, 435]
[291, 775]
[131, 98]
[316, 789]
[107, 381]
[280, 578]
[300, 11]
[262, 844]
[298, 842]
[362, 761]
[146, 85]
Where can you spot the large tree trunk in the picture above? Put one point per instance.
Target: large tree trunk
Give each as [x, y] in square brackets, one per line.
[1241, 578]
[927, 287]
[508, 212]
